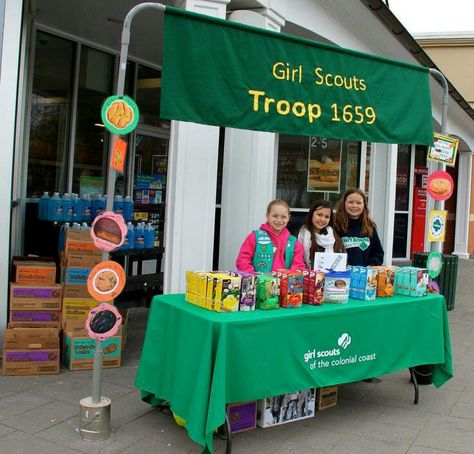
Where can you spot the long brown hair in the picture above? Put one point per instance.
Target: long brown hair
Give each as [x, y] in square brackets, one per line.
[341, 219]
[308, 224]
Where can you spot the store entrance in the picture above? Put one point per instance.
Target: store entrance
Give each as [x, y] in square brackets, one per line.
[144, 259]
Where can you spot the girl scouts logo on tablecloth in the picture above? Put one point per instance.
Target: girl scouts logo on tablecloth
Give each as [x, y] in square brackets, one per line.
[437, 225]
[119, 114]
[434, 264]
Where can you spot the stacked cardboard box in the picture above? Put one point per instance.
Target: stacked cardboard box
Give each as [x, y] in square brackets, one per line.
[77, 260]
[31, 343]
[35, 298]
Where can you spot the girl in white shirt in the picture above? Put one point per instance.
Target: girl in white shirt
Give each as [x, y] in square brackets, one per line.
[317, 233]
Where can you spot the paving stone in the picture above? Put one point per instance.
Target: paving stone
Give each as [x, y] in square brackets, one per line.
[72, 390]
[359, 444]
[21, 442]
[127, 408]
[4, 430]
[19, 403]
[449, 433]
[40, 418]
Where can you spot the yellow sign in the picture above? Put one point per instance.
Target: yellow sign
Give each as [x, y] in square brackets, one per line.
[437, 229]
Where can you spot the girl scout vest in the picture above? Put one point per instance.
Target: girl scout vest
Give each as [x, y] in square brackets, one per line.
[263, 258]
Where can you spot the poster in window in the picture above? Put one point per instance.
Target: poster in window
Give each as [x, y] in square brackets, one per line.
[324, 165]
[159, 164]
[444, 150]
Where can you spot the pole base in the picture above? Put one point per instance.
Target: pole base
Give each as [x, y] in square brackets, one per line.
[94, 419]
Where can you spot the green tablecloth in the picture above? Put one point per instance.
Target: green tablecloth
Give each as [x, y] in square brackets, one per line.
[199, 360]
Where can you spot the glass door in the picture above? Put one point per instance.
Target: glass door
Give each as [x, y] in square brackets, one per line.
[403, 194]
[150, 167]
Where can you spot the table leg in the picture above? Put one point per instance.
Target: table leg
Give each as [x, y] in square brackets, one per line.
[228, 449]
[415, 384]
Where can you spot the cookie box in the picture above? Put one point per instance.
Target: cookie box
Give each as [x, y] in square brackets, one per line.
[35, 297]
[78, 348]
[31, 351]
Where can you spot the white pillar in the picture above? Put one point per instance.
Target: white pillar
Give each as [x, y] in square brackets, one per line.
[249, 168]
[463, 202]
[191, 187]
[10, 54]
[383, 174]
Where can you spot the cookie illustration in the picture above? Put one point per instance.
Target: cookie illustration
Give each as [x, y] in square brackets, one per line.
[105, 281]
[440, 186]
[120, 114]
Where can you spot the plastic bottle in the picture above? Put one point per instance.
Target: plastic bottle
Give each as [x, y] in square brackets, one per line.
[131, 235]
[98, 205]
[149, 236]
[55, 208]
[76, 226]
[86, 208]
[62, 235]
[118, 204]
[139, 236]
[84, 226]
[76, 208]
[67, 208]
[128, 209]
[43, 206]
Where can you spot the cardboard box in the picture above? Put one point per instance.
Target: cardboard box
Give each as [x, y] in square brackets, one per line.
[242, 416]
[291, 288]
[34, 270]
[35, 319]
[88, 260]
[326, 397]
[35, 297]
[79, 242]
[77, 308]
[285, 408]
[75, 275]
[31, 351]
[78, 348]
[75, 291]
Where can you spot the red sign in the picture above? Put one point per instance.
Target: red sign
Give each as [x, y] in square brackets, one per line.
[119, 153]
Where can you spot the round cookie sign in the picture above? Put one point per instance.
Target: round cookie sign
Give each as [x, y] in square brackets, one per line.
[440, 185]
[108, 231]
[120, 114]
[106, 281]
[103, 322]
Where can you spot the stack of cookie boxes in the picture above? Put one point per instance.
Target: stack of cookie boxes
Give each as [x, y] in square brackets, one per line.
[31, 343]
[77, 260]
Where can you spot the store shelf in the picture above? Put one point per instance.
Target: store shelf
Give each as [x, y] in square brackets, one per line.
[144, 254]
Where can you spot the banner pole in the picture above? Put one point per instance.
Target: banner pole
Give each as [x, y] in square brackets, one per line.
[439, 204]
[125, 41]
[97, 426]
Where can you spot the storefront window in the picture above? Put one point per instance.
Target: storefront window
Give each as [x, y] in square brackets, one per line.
[91, 151]
[50, 111]
[148, 97]
[312, 168]
[402, 202]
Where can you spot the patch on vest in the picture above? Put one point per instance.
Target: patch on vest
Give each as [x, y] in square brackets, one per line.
[354, 241]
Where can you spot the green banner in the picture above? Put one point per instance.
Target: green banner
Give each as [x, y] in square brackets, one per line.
[223, 73]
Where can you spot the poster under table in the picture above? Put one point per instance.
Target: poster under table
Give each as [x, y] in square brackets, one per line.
[199, 361]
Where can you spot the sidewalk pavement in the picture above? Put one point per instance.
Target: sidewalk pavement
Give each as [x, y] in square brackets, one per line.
[39, 414]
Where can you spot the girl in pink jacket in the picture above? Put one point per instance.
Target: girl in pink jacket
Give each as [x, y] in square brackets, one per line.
[271, 247]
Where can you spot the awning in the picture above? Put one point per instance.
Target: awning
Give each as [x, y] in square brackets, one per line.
[224, 73]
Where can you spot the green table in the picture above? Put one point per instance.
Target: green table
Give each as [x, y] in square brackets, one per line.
[199, 360]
